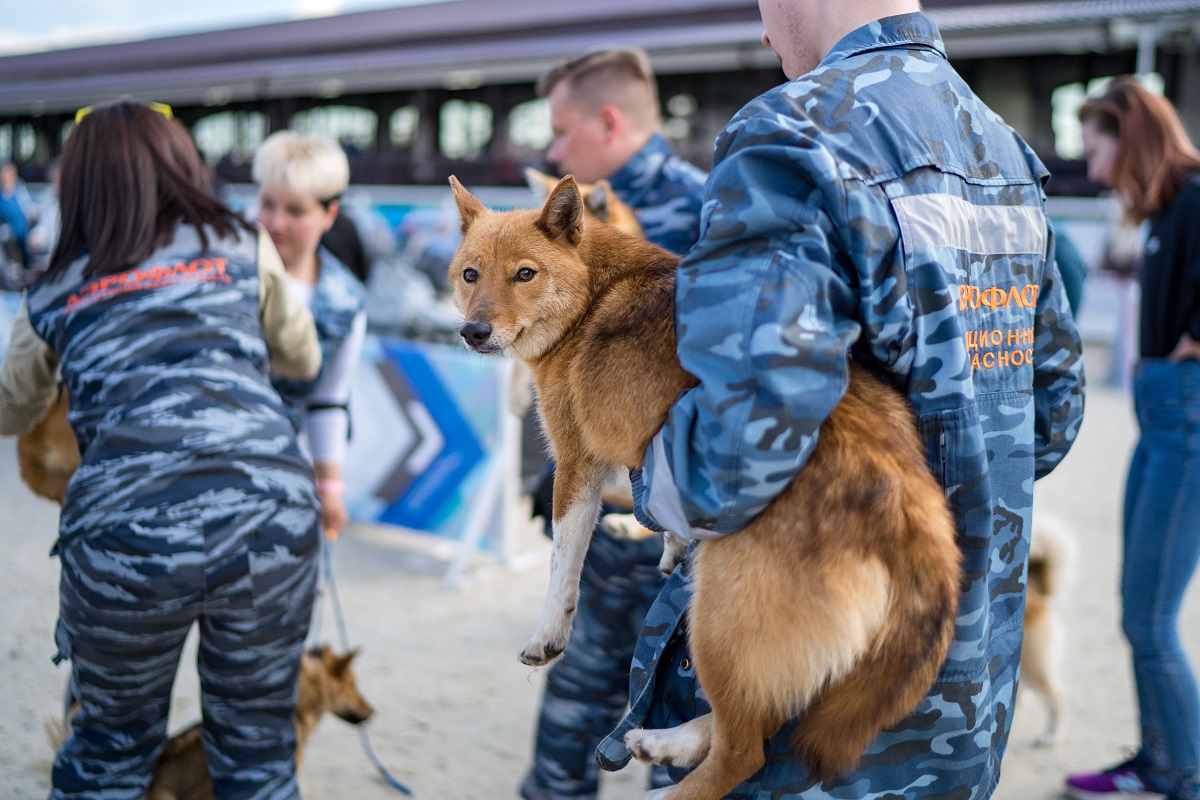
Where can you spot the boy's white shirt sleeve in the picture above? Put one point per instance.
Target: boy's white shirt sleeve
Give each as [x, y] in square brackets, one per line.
[327, 429]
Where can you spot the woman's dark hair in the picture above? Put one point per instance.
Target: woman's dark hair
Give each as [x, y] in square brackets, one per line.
[129, 176]
[1154, 155]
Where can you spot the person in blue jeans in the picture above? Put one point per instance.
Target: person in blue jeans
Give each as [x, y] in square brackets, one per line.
[1134, 142]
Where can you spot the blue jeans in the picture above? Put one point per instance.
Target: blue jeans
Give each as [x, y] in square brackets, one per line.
[1162, 547]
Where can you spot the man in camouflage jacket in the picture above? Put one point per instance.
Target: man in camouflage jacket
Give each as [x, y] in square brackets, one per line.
[872, 208]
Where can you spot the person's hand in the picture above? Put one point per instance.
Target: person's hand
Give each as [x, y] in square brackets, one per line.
[1188, 348]
[333, 507]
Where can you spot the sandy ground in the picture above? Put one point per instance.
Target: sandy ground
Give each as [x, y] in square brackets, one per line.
[455, 709]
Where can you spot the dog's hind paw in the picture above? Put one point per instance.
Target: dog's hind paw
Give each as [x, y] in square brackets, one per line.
[682, 746]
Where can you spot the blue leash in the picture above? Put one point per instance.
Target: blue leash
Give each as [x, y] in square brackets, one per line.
[363, 735]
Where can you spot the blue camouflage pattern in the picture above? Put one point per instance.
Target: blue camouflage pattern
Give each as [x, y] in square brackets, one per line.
[873, 208]
[665, 192]
[192, 504]
[337, 300]
[587, 690]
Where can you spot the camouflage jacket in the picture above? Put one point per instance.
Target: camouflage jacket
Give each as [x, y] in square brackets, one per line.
[873, 208]
[166, 367]
[665, 191]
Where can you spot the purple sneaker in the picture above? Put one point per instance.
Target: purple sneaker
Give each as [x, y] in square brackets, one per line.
[1122, 782]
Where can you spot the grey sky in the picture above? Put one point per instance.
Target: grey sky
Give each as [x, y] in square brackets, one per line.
[31, 26]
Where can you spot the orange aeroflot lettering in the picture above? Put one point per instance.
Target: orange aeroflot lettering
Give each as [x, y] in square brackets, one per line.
[152, 276]
[974, 298]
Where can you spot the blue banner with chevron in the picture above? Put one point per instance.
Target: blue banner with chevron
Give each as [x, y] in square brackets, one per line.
[428, 434]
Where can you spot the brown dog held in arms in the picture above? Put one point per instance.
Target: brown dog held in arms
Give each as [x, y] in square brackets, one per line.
[327, 685]
[837, 601]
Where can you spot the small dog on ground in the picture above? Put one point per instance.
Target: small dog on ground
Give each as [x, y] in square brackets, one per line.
[857, 642]
[1050, 556]
[327, 685]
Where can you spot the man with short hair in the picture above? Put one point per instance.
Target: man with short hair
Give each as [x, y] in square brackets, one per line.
[871, 208]
[605, 116]
[606, 121]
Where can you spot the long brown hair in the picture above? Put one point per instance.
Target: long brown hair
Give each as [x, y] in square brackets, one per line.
[1154, 155]
[129, 176]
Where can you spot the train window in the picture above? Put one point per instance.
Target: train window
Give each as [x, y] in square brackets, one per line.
[27, 142]
[230, 136]
[682, 105]
[6, 143]
[402, 127]
[351, 126]
[465, 128]
[529, 125]
[1064, 120]
[681, 108]
[1065, 102]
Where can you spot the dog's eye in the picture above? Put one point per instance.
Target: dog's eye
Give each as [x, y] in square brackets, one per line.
[525, 274]
[470, 276]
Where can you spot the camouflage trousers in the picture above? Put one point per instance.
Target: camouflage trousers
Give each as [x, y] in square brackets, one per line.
[128, 597]
[587, 691]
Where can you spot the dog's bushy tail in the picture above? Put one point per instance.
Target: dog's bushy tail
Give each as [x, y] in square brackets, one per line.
[901, 666]
[1051, 553]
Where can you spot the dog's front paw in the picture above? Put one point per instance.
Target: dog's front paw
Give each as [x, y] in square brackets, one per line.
[540, 652]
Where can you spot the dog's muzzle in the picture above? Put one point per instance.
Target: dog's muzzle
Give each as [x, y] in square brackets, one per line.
[476, 335]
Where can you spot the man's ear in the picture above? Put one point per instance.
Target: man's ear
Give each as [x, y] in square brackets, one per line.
[562, 215]
[469, 209]
[612, 119]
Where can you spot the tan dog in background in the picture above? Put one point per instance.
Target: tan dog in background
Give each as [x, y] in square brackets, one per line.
[837, 601]
[48, 453]
[1051, 552]
[599, 200]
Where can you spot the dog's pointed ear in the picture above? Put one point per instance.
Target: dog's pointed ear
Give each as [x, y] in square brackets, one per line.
[539, 182]
[598, 201]
[562, 215]
[341, 663]
[469, 209]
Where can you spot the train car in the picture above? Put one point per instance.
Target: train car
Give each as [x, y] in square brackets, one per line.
[420, 92]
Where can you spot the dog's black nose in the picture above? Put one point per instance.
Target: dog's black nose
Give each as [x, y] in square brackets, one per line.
[476, 333]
